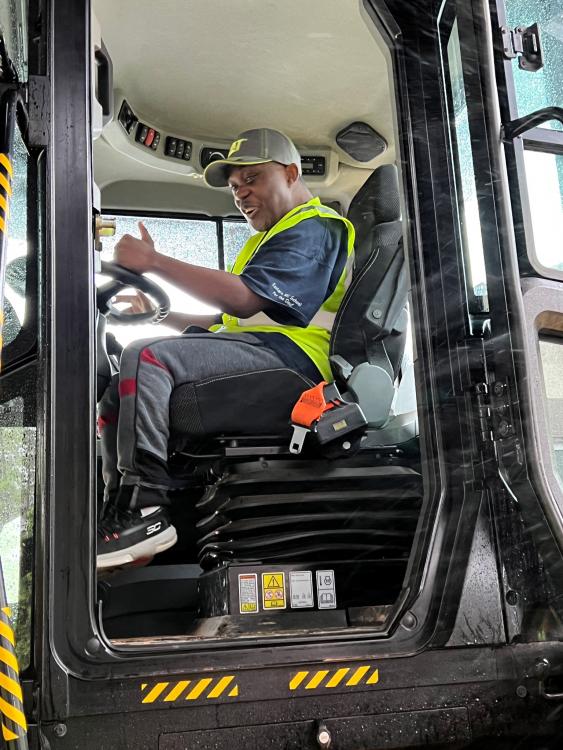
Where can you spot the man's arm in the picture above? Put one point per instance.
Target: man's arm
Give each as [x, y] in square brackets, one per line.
[217, 288]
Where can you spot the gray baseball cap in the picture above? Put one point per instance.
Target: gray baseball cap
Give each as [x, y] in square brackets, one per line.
[258, 146]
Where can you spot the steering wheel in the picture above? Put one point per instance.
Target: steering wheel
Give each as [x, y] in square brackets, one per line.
[123, 277]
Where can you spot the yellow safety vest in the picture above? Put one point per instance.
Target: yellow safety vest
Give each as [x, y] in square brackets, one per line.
[314, 339]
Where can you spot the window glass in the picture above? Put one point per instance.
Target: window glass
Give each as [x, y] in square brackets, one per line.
[544, 88]
[551, 353]
[470, 226]
[191, 240]
[544, 176]
[17, 246]
[235, 234]
[13, 15]
[17, 497]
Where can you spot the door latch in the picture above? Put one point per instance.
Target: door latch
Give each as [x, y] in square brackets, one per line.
[523, 42]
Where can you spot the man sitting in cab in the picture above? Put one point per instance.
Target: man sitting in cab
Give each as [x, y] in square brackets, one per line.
[279, 302]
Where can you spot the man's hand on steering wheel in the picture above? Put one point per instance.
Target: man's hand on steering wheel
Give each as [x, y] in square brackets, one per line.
[131, 259]
[138, 303]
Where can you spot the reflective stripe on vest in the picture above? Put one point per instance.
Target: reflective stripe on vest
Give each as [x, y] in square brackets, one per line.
[314, 339]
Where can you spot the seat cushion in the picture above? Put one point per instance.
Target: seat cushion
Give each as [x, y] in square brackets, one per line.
[251, 403]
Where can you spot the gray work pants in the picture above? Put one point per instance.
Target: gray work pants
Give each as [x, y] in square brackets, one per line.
[133, 414]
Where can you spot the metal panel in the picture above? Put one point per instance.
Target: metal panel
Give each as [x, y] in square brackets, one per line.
[69, 525]
[480, 616]
[408, 729]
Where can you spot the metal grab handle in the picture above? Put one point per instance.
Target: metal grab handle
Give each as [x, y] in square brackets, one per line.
[549, 696]
[105, 81]
[517, 127]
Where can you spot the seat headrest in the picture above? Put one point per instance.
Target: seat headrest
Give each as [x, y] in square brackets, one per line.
[377, 201]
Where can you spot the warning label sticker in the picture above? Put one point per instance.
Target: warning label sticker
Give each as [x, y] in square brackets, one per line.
[301, 589]
[326, 589]
[273, 590]
[248, 593]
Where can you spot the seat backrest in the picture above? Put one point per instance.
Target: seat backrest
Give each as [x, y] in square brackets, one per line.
[372, 320]
[370, 330]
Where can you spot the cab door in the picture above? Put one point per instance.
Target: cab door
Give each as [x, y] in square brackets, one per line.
[519, 55]
[528, 56]
[529, 69]
[503, 101]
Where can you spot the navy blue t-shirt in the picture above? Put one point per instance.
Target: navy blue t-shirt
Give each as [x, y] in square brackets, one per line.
[296, 271]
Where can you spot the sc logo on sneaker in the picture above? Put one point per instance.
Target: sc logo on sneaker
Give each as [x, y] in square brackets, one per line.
[153, 528]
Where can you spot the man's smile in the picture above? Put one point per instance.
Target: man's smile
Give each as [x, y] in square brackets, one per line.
[249, 211]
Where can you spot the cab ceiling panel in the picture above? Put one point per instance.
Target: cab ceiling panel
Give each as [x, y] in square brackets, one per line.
[217, 68]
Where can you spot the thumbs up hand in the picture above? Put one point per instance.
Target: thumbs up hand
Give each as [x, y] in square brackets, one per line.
[136, 254]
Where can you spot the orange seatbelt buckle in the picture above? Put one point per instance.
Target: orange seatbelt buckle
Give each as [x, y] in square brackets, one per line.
[309, 409]
[310, 406]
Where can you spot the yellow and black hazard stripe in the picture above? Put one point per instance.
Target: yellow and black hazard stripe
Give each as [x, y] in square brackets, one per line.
[343, 677]
[14, 725]
[206, 688]
[6, 174]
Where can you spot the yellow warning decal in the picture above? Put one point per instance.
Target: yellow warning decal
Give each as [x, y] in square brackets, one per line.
[248, 593]
[331, 678]
[190, 690]
[273, 590]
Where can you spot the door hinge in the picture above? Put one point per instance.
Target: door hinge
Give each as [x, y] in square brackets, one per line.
[523, 42]
[494, 412]
[484, 413]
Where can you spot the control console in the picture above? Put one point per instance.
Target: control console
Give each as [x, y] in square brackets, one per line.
[181, 152]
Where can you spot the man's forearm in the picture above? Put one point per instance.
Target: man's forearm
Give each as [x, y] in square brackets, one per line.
[180, 321]
[218, 288]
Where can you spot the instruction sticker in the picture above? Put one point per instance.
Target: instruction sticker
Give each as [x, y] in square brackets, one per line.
[326, 589]
[248, 593]
[301, 589]
[273, 590]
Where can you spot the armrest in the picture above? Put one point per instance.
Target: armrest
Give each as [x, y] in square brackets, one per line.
[373, 389]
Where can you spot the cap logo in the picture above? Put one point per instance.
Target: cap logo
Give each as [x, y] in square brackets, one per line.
[236, 146]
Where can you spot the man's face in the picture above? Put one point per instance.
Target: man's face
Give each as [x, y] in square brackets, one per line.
[262, 192]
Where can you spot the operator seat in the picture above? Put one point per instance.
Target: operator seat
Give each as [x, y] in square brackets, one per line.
[367, 342]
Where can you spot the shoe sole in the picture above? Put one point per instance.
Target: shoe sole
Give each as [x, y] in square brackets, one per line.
[146, 548]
